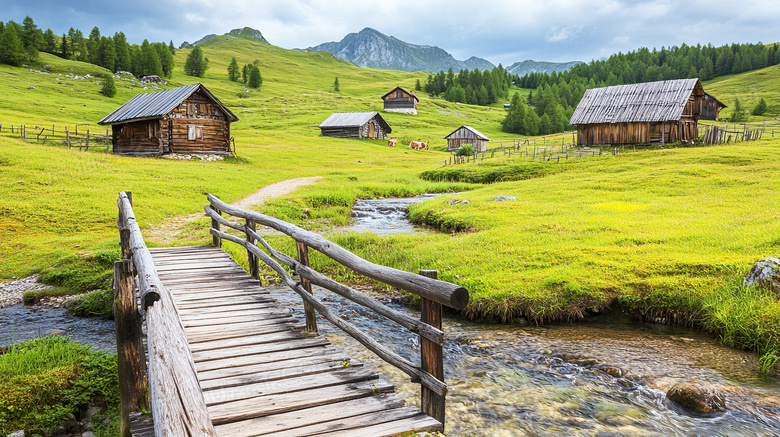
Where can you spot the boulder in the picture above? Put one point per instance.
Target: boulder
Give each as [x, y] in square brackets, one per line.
[765, 273]
[458, 202]
[503, 198]
[697, 397]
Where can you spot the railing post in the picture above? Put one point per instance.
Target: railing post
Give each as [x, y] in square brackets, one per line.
[254, 269]
[311, 315]
[131, 362]
[215, 224]
[124, 232]
[431, 356]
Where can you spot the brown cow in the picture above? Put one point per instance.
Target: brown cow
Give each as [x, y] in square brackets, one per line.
[392, 142]
[418, 145]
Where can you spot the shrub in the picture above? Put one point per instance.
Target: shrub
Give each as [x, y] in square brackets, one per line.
[109, 87]
[465, 150]
[760, 108]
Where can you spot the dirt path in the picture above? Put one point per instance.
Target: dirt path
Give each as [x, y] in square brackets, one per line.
[167, 231]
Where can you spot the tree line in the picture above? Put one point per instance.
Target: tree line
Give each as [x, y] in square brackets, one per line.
[23, 43]
[473, 87]
[558, 94]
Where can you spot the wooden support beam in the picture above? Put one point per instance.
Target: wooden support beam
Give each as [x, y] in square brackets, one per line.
[254, 269]
[431, 356]
[311, 316]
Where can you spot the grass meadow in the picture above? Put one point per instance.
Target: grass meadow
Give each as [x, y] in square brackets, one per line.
[665, 232]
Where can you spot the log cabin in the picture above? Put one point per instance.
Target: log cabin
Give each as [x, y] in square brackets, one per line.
[186, 120]
[355, 125]
[643, 113]
[400, 100]
[466, 135]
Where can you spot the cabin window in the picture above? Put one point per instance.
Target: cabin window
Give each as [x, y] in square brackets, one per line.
[195, 133]
[152, 130]
[399, 93]
[192, 108]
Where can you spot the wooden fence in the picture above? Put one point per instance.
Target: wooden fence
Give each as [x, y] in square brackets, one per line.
[555, 147]
[433, 293]
[715, 134]
[71, 136]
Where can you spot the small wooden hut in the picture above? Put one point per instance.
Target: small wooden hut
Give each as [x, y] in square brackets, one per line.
[643, 113]
[400, 100]
[466, 135]
[355, 125]
[710, 107]
[187, 119]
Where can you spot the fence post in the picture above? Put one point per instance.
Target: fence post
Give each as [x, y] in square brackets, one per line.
[215, 224]
[133, 383]
[431, 356]
[311, 316]
[254, 269]
[87, 143]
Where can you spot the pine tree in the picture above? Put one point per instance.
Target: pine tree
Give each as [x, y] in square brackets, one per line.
[124, 60]
[760, 108]
[245, 73]
[11, 49]
[531, 123]
[107, 54]
[109, 87]
[150, 60]
[418, 86]
[234, 72]
[93, 44]
[171, 48]
[195, 65]
[255, 79]
[739, 112]
[336, 85]
[49, 45]
[31, 34]
[513, 123]
[64, 48]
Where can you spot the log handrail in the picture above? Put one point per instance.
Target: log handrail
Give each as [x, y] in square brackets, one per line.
[177, 403]
[433, 293]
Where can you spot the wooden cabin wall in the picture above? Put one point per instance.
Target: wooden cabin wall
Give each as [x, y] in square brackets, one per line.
[637, 133]
[139, 138]
[199, 116]
[464, 136]
[373, 129]
[340, 132]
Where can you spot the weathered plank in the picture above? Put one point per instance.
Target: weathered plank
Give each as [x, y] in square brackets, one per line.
[269, 357]
[399, 417]
[252, 368]
[257, 349]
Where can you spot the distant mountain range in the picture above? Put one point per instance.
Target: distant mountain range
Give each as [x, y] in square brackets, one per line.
[246, 32]
[373, 49]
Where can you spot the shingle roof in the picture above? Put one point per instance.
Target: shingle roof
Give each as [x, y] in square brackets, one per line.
[147, 106]
[399, 88]
[353, 119]
[476, 132]
[641, 102]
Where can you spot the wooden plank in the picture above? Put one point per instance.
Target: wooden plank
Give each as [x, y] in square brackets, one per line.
[257, 349]
[228, 295]
[255, 311]
[273, 375]
[271, 313]
[238, 326]
[285, 402]
[217, 396]
[293, 421]
[216, 311]
[255, 368]
[416, 423]
[288, 335]
[349, 423]
[270, 357]
[242, 300]
[217, 334]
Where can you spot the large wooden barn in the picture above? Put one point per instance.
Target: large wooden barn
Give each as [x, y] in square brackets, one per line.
[400, 100]
[644, 113]
[466, 135]
[355, 125]
[186, 120]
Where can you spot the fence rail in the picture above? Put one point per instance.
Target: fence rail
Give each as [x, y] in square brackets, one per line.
[71, 136]
[433, 293]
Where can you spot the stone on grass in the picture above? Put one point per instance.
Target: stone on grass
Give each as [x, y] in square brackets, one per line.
[503, 198]
[697, 397]
[765, 273]
[458, 202]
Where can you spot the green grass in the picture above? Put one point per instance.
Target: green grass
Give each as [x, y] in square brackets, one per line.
[44, 380]
[657, 230]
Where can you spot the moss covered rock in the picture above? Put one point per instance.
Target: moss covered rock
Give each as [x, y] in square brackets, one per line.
[697, 397]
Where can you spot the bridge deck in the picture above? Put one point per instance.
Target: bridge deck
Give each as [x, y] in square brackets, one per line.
[259, 372]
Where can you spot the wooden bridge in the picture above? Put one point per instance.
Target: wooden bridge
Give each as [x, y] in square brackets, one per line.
[204, 347]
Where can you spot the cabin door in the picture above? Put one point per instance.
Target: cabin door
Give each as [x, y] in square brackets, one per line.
[371, 133]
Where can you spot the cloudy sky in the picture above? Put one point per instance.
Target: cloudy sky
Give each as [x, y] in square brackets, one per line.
[502, 31]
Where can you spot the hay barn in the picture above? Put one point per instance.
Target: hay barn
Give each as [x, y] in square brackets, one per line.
[187, 120]
[644, 113]
[355, 125]
[466, 135]
[400, 100]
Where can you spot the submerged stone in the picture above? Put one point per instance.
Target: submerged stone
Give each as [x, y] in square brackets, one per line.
[697, 397]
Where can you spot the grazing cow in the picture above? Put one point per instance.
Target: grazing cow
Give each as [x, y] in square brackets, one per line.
[392, 142]
[418, 145]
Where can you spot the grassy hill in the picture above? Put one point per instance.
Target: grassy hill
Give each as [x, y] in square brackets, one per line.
[665, 232]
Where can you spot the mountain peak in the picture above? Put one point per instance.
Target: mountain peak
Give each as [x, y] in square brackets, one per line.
[248, 32]
[372, 49]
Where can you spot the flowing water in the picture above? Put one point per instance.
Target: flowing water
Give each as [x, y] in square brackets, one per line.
[385, 216]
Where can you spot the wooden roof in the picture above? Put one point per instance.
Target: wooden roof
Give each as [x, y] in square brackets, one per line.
[399, 88]
[476, 132]
[710, 96]
[642, 102]
[148, 106]
[354, 119]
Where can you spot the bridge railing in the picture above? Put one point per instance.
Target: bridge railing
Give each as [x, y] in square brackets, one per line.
[177, 403]
[433, 293]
